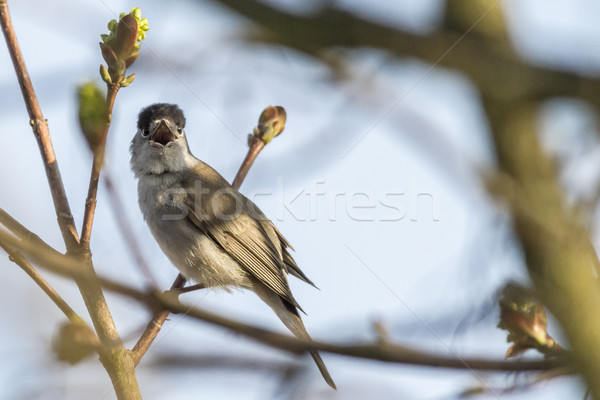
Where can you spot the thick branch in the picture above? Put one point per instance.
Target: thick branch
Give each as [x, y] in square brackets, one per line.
[560, 256]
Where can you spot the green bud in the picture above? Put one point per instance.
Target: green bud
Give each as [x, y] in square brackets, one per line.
[108, 54]
[112, 25]
[127, 81]
[136, 12]
[92, 113]
[120, 47]
[105, 75]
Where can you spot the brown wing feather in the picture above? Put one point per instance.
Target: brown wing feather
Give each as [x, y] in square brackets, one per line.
[242, 237]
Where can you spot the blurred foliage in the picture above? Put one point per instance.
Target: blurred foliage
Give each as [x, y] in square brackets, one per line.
[92, 113]
[525, 320]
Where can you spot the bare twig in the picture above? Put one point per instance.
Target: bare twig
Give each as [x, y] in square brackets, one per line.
[154, 326]
[90, 202]
[253, 151]
[188, 289]
[41, 133]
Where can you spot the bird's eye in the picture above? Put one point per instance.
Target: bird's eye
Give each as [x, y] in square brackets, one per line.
[179, 130]
[145, 132]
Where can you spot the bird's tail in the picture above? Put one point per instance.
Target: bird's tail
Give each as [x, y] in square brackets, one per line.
[294, 323]
[321, 365]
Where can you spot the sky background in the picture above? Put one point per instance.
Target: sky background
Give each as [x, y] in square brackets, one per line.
[376, 182]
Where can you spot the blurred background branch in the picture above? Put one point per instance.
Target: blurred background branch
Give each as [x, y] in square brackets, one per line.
[379, 350]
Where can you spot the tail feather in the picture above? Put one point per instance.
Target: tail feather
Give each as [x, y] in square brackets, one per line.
[294, 323]
[321, 365]
[288, 314]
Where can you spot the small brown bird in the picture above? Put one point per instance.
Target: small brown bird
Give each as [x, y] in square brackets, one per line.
[211, 232]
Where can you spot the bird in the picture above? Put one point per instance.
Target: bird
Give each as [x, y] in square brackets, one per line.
[212, 233]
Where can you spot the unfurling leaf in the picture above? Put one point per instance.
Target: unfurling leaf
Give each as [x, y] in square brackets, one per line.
[125, 37]
[120, 48]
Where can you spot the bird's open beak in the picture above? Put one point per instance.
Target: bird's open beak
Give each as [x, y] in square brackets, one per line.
[162, 133]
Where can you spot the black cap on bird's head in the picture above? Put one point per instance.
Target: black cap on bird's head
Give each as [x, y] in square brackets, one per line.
[161, 123]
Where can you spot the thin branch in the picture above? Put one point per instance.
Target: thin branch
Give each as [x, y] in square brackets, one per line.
[154, 326]
[159, 318]
[189, 289]
[22, 262]
[90, 202]
[255, 149]
[41, 133]
[377, 350]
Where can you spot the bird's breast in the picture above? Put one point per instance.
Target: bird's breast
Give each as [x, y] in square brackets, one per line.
[194, 254]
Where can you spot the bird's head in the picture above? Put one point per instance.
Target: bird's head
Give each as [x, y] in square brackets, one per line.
[159, 144]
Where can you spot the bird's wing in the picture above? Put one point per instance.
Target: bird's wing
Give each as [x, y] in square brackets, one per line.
[288, 260]
[223, 215]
